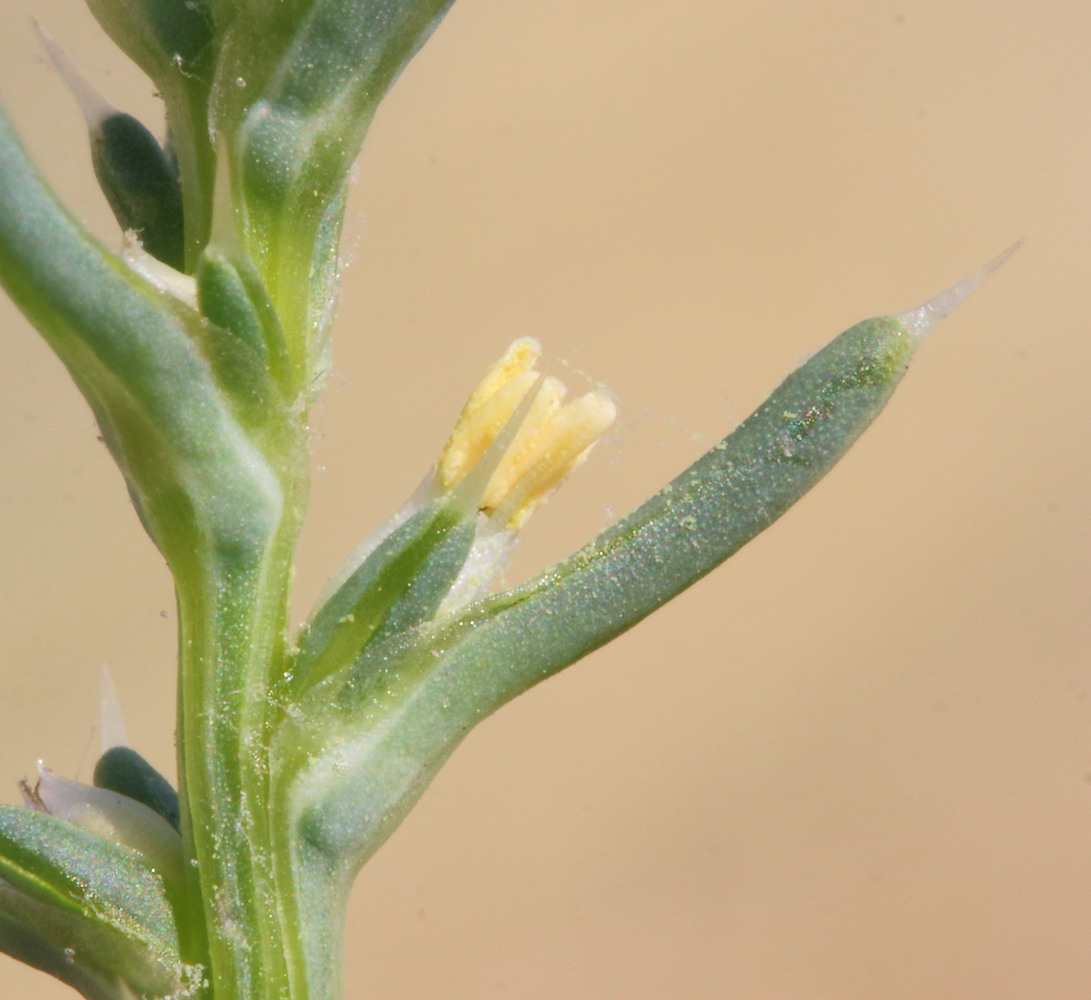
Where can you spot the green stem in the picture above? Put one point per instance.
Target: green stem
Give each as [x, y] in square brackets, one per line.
[197, 168]
[233, 620]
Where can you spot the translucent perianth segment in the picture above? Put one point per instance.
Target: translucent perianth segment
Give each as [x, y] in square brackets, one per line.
[517, 430]
[110, 815]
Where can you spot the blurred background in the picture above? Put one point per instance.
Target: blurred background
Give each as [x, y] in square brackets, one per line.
[853, 763]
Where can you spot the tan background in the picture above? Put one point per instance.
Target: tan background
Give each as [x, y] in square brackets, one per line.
[856, 762]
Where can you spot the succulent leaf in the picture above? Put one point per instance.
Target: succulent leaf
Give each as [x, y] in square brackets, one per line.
[137, 176]
[74, 871]
[141, 184]
[411, 699]
[147, 365]
[95, 959]
[176, 43]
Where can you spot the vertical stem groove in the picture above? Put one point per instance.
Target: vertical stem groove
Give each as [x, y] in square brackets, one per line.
[232, 621]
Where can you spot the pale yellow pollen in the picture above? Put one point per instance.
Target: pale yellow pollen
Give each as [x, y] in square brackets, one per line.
[476, 430]
[566, 442]
[551, 439]
[519, 359]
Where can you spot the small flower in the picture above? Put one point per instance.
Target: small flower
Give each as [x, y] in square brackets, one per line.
[514, 443]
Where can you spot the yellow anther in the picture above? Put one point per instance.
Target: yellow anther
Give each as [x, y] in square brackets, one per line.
[519, 359]
[551, 439]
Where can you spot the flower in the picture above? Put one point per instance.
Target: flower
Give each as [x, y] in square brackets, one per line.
[517, 440]
[514, 443]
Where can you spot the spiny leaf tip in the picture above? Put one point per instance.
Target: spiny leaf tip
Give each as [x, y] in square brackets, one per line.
[923, 319]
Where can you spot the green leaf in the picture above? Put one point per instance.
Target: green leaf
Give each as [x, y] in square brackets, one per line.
[73, 871]
[411, 700]
[92, 958]
[146, 363]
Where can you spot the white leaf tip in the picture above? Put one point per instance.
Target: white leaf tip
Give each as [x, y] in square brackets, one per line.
[921, 321]
[112, 726]
[96, 109]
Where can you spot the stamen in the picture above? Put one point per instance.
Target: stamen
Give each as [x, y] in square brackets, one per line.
[516, 439]
[559, 448]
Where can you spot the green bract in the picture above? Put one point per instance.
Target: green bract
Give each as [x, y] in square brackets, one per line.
[200, 341]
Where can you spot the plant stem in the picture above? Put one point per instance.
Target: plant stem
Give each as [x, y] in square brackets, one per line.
[232, 626]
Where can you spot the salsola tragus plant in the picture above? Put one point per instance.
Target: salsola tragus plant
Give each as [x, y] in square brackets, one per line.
[200, 343]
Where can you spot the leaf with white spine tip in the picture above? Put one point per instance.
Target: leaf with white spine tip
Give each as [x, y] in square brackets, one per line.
[417, 696]
[735, 491]
[71, 870]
